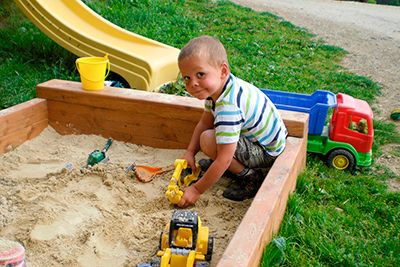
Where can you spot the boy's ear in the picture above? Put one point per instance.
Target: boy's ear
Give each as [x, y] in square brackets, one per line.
[224, 70]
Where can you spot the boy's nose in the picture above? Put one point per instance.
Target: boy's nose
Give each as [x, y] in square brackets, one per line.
[195, 83]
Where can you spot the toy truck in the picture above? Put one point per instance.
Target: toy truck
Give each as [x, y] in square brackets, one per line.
[184, 242]
[346, 139]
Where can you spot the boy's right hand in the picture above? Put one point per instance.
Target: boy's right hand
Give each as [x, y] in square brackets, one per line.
[190, 196]
[191, 161]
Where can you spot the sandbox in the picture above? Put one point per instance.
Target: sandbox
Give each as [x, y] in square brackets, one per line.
[137, 121]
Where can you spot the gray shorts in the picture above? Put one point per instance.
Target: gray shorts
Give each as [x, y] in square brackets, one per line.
[252, 155]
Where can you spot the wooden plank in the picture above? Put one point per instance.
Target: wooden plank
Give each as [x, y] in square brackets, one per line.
[168, 119]
[11, 141]
[120, 121]
[267, 209]
[296, 123]
[21, 115]
[69, 128]
[22, 122]
[135, 101]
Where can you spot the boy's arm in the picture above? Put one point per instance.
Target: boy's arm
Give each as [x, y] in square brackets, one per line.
[217, 168]
[212, 175]
[206, 122]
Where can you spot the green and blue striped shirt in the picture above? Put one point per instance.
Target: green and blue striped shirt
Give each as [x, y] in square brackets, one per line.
[242, 109]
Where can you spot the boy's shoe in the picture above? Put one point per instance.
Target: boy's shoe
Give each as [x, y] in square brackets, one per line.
[245, 187]
[206, 163]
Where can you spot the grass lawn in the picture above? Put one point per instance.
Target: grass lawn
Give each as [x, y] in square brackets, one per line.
[333, 217]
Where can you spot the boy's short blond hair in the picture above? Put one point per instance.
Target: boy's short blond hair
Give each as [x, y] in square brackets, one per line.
[206, 47]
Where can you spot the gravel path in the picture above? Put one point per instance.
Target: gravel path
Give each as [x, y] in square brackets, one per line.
[371, 35]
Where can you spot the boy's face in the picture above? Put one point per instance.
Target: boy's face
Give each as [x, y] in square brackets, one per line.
[202, 79]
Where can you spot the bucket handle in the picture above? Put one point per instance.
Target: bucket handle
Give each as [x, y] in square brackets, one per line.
[108, 71]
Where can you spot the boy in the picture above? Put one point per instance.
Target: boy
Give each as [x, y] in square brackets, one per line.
[240, 128]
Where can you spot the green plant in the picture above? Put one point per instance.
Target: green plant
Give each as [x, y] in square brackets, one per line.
[395, 3]
[274, 254]
[175, 88]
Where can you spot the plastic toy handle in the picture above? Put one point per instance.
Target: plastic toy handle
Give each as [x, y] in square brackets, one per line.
[180, 164]
[109, 142]
[90, 80]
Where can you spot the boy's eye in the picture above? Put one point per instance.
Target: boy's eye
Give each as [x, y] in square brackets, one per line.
[186, 78]
[200, 74]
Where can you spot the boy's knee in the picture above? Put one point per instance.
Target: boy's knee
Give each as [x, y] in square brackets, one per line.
[207, 142]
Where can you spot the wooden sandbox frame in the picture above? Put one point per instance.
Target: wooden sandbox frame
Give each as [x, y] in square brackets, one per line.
[161, 121]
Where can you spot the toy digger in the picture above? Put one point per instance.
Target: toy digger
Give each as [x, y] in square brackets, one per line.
[182, 176]
[99, 156]
[184, 242]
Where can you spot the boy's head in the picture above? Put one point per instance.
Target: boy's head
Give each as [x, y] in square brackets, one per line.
[204, 67]
[206, 47]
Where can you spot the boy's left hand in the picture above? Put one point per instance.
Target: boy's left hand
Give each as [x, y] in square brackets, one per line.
[190, 196]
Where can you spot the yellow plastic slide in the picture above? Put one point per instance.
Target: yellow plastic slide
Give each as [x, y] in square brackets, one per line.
[144, 63]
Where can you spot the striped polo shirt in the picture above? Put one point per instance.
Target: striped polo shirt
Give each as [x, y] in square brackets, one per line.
[242, 109]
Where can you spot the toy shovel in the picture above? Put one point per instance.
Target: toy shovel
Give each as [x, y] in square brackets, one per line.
[146, 174]
[99, 156]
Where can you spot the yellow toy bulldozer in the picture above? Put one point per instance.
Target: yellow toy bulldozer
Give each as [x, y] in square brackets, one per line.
[184, 242]
[182, 176]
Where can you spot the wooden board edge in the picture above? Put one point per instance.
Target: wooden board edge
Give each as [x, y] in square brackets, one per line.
[22, 122]
[21, 111]
[267, 209]
[142, 102]
[11, 141]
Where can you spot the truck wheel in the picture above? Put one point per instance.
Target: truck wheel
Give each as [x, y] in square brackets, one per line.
[341, 159]
[210, 248]
[202, 264]
[159, 241]
[156, 262]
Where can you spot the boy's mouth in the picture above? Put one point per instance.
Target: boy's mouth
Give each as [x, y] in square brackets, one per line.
[198, 91]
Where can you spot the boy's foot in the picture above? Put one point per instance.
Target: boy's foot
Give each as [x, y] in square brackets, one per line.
[206, 163]
[245, 187]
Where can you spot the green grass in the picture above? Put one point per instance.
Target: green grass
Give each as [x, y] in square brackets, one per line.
[37, 59]
[338, 219]
[332, 218]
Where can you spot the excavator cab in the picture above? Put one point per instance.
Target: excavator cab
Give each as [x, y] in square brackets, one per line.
[184, 242]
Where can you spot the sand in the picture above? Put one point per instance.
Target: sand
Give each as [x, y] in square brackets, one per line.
[66, 215]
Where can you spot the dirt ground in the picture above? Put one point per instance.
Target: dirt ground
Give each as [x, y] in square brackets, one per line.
[371, 36]
[69, 216]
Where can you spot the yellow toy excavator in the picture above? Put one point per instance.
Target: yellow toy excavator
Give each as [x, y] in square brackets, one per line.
[182, 176]
[184, 242]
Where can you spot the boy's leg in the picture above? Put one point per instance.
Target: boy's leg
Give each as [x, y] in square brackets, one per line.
[249, 180]
[209, 147]
[248, 155]
[252, 155]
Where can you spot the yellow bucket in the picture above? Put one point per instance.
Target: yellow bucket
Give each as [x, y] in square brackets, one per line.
[93, 71]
